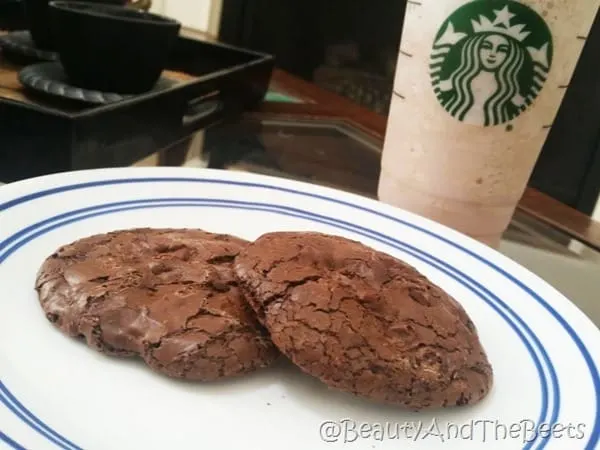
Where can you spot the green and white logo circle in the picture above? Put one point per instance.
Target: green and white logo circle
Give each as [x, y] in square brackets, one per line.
[490, 60]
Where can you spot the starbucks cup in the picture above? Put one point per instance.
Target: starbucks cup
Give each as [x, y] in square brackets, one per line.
[477, 87]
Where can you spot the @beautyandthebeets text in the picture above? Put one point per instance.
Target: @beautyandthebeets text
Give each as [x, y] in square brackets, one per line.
[483, 430]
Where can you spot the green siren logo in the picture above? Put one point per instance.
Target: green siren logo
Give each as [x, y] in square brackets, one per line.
[490, 60]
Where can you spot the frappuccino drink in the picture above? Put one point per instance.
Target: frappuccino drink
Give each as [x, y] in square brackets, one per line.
[477, 87]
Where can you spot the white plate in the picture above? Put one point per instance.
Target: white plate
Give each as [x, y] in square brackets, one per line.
[58, 393]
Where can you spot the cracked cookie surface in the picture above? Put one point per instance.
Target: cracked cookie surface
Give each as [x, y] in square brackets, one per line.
[167, 295]
[364, 322]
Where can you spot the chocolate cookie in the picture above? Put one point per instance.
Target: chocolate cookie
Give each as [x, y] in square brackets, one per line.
[364, 322]
[169, 296]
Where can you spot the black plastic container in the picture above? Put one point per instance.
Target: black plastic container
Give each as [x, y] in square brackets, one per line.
[37, 140]
[111, 48]
[38, 21]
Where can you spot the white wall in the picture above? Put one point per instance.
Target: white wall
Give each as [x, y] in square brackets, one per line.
[202, 15]
[596, 214]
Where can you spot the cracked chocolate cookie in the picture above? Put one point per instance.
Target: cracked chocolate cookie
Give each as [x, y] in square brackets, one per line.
[364, 322]
[167, 295]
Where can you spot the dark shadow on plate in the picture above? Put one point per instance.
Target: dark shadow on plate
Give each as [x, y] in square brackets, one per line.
[309, 392]
[226, 386]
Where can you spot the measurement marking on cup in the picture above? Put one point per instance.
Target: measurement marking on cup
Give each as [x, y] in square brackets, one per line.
[412, 2]
[406, 53]
[398, 94]
[582, 38]
[547, 127]
[563, 86]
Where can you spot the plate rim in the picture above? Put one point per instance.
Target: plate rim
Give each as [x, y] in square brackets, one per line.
[301, 188]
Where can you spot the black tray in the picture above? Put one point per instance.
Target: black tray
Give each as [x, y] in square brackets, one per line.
[40, 135]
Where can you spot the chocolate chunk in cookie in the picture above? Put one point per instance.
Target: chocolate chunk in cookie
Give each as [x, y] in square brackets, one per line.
[169, 296]
[364, 322]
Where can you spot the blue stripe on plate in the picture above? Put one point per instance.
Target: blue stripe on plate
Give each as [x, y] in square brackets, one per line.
[10, 442]
[155, 203]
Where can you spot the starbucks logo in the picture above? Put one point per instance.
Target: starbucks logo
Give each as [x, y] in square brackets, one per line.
[490, 60]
